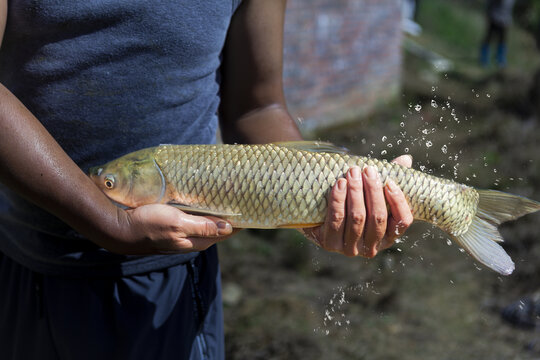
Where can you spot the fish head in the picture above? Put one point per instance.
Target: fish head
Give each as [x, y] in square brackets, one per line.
[132, 180]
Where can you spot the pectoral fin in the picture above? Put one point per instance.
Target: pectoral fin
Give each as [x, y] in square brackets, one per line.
[201, 211]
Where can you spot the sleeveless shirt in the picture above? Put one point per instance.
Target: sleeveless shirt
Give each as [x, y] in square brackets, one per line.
[107, 77]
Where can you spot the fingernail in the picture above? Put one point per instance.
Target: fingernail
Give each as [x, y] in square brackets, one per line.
[409, 156]
[371, 172]
[341, 184]
[391, 185]
[223, 227]
[355, 172]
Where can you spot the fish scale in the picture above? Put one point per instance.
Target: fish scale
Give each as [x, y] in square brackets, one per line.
[273, 186]
[287, 185]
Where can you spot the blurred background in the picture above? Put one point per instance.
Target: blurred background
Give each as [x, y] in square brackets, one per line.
[384, 78]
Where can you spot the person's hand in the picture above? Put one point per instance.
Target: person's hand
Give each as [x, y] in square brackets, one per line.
[163, 229]
[357, 221]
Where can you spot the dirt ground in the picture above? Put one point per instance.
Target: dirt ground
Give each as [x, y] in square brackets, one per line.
[423, 299]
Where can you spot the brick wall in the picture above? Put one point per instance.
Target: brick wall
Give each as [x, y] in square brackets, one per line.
[342, 58]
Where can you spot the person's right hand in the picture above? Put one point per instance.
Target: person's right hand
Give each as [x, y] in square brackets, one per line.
[163, 229]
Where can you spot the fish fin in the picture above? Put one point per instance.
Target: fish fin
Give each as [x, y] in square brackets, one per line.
[497, 207]
[313, 146]
[201, 211]
[298, 226]
[480, 240]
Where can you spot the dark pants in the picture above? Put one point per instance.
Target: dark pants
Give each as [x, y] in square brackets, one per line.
[498, 32]
[495, 31]
[174, 313]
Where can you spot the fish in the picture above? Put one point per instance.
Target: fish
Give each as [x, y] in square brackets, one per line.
[286, 185]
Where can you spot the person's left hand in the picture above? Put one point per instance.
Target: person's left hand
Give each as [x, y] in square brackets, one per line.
[357, 220]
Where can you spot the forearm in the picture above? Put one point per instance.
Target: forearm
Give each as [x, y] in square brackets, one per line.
[253, 108]
[35, 166]
[269, 124]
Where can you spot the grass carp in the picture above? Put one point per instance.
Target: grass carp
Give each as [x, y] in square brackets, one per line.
[286, 185]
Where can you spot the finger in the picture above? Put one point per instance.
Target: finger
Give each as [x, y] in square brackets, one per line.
[334, 224]
[404, 160]
[356, 212]
[203, 226]
[203, 243]
[400, 217]
[376, 213]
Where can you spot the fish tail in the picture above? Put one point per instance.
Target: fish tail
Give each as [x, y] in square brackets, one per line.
[482, 236]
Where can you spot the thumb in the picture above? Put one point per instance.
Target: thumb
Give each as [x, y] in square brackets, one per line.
[203, 226]
[404, 160]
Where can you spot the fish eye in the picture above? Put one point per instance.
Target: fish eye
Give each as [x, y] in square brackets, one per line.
[109, 182]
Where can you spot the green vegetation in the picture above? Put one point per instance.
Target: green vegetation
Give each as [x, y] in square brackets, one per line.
[456, 30]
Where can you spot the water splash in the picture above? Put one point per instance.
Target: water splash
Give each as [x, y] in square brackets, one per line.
[444, 149]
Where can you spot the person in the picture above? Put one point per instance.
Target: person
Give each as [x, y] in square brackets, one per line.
[83, 83]
[499, 18]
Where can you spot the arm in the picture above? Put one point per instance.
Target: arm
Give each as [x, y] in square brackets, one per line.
[253, 110]
[36, 167]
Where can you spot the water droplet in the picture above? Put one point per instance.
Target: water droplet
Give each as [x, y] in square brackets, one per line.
[384, 138]
[406, 150]
[402, 124]
[418, 107]
[488, 95]
[383, 152]
[434, 104]
[429, 144]
[444, 149]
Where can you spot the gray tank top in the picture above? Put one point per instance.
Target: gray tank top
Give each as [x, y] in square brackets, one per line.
[107, 77]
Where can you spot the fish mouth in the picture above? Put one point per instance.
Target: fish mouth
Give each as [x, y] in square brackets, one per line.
[95, 171]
